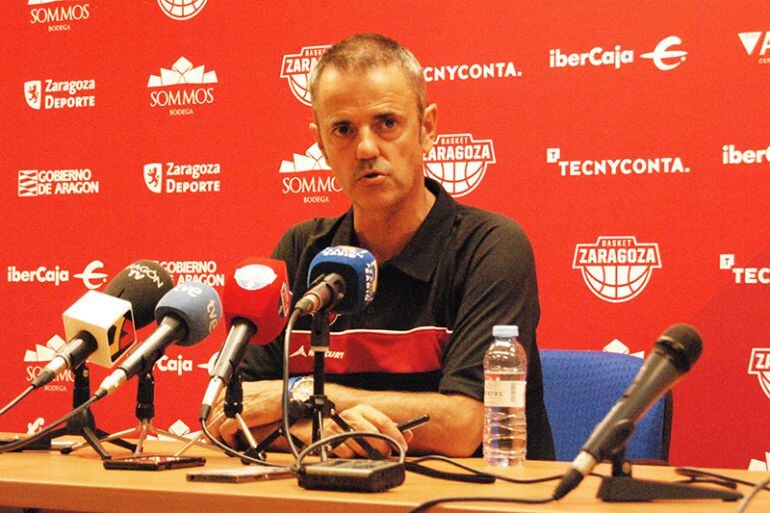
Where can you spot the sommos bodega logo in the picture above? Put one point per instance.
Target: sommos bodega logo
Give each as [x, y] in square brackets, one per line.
[616, 268]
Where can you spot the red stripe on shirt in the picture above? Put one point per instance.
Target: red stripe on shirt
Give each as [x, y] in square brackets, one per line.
[353, 351]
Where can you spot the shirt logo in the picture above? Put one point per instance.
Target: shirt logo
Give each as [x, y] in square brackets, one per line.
[616, 268]
[459, 162]
[181, 10]
[296, 70]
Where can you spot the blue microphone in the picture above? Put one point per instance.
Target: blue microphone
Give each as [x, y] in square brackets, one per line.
[341, 279]
[186, 315]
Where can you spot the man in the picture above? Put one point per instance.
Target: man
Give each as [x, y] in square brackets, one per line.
[448, 272]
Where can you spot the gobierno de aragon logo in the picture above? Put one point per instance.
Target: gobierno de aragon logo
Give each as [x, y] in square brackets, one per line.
[616, 268]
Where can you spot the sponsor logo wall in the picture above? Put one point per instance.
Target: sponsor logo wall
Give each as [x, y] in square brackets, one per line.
[634, 157]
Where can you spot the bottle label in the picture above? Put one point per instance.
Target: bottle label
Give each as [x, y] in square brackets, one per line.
[505, 394]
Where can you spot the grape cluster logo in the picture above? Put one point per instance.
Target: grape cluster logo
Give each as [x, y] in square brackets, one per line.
[181, 10]
[309, 176]
[459, 162]
[616, 346]
[182, 87]
[616, 268]
[37, 358]
[296, 70]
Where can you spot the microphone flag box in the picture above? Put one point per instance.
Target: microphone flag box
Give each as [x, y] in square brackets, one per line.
[110, 320]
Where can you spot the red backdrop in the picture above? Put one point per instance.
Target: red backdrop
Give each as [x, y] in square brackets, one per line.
[629, 140]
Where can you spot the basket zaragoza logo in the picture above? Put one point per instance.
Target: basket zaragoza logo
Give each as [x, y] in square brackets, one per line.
[296, 69]
[760, 366]
[459, 162]
[181, 9]
[616, 268]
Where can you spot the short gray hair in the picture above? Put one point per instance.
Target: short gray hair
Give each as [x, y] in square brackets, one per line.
[362, 52]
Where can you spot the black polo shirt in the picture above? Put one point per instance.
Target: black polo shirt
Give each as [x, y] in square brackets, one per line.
[431, 320]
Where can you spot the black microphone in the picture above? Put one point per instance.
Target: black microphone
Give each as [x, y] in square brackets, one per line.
[100, 328]
[675, 352]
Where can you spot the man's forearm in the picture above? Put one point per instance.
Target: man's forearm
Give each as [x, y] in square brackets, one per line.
[456, 420]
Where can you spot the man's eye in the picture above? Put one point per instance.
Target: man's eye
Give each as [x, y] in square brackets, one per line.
[343, 130]
[389, 123]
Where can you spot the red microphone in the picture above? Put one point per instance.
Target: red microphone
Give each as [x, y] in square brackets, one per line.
[256, 304]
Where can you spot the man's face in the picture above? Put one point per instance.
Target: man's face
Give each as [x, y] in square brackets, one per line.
[369, 128]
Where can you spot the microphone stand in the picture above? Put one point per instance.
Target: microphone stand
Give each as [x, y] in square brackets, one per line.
[145, 412]
[83, 424]
[318, 405]
[622, 487]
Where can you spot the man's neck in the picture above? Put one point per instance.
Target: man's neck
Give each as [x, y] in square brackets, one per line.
[387, 233]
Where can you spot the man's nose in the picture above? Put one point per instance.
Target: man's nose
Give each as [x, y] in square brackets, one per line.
[367, 145]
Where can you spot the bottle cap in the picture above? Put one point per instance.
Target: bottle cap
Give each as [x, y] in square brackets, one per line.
[505, 331]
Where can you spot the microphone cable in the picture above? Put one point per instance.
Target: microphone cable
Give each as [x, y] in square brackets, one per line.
[232, 452]
[20, 444]
[754, 491]
[295, 314]
[17, 400]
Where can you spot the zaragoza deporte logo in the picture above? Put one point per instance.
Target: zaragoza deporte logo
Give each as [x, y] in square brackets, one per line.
[760, 367]
[616, 268]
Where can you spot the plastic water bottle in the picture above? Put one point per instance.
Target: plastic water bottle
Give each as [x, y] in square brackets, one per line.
[505, 386]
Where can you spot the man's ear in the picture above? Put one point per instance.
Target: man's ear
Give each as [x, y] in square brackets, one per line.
[428, 128]
[317, 134]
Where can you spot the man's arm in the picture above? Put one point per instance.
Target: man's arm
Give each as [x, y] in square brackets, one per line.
[456, 421]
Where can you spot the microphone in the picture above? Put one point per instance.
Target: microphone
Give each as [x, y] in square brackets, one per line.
[186, 315]
[101, 326]
[256, 302]
[675, 352]
[342, 279]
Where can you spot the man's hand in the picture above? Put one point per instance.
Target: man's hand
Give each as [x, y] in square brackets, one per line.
[261, 406]
[366, 418]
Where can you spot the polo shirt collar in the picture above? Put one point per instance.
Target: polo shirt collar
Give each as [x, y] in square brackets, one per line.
[420, 256]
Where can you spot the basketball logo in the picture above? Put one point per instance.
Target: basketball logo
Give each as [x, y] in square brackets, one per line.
[459, 162]
[296, 69]
[760, 366]
[616, 268]
[181, 9]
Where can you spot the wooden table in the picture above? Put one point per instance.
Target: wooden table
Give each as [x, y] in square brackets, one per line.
[78, 482]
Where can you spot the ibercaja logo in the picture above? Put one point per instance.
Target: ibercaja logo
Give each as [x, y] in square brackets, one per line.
[616, 268]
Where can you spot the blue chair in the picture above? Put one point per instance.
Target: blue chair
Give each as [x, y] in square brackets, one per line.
[580, 388]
